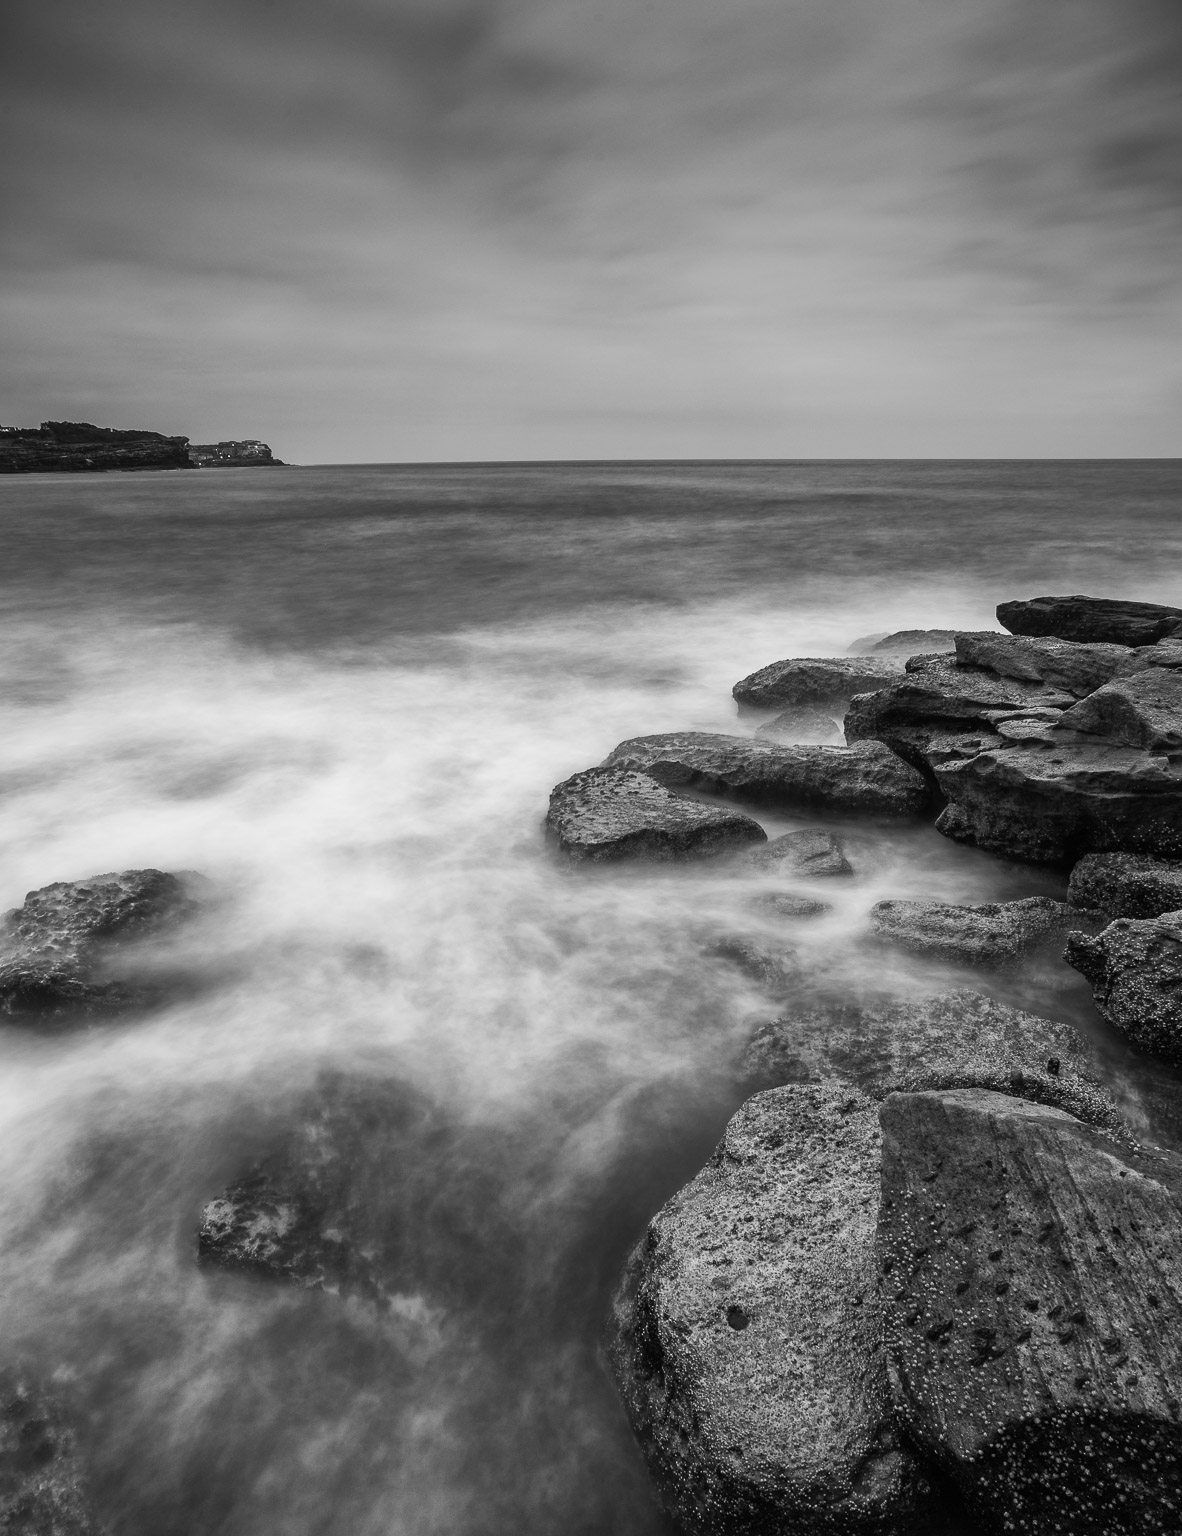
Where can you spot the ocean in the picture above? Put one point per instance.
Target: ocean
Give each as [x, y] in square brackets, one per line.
[343, 695]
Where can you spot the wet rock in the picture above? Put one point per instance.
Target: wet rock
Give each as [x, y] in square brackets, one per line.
[74, 947]
[905, 642]
[803, 724]
[746, 1339]
[867, 778]
[958, 1039]
[1135, 971]
[43, 1486]
[784, 904]
[1052, 804]
[1102, 620]
[1061, 664]
[775, 970]
[981, 935]
[1032, 1286]
[814, 680]
[1144, 710]
[1126, 885]
[614, 813]
[812, 851]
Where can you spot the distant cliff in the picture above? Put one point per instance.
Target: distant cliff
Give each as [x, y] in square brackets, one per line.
[80, 445]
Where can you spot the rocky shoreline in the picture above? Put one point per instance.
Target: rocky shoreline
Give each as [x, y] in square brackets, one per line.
[81, 447]
[931, 1277]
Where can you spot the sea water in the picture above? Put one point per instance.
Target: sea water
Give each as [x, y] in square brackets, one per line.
[343, 695]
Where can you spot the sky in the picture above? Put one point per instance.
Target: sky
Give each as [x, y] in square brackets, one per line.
[389, 230]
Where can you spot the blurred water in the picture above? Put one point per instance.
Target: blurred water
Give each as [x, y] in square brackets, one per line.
[344, 695]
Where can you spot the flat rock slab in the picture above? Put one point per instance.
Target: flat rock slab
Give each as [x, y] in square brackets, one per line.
[1126, 885]
[612, 813]
[981, 935]
[805, 723]
[958, 1039]
[814, 680]
[1032, 1286]
[70, 947]
[1051, 805]
[43, 1486]
[811, 851]
[746, 1339]
[906, 642]
[865, 779]
[1105, 620]
[1062, 664]
[1144, 710]
[1135, 971]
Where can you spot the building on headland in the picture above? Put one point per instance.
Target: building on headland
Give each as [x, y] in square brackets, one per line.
[248, 450]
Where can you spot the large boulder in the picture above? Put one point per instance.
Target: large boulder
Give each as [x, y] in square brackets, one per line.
[1103, 620]
[814, 680]
[612, 813]
[1061, 664]
[811, 852]
[1144, 710]
[43, 1485]
[1032, 1287]
[746, 1338]
[867, 778]
[1135, 971]
[983, 935]
[958, 1039]
[1051, 804]
[1126, 885]
[78, 946]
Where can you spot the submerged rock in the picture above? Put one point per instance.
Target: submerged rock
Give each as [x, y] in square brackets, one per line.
[43, 1486]
[1032, 1286]
[814, 680]
[958, 1039]
[784, 904]
[811, 851]
[611, 813]
[775, 970]
[1104, 620]
[867, 778]
[1135, 971]
[1061, 664]
[72, 946]
[1126, 885]
[1144, 710]
[803, 724]
[982, 935]
[746, 1337]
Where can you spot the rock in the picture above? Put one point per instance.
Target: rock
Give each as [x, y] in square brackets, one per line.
[956, 1039]
[746, 1340]
[1032, 1286]
[1061, 664]
[775, 970]
[984, 935]
[905, 642]
[613, 813]
[1135, 971]
[867, 778]
[43, 1486]
[1144, 710]
[814, 680]
[1051, 805]
[71, 947]
[1126, 885]
[811, 851]
[1101, 620]
[783, 904]
[803, 724]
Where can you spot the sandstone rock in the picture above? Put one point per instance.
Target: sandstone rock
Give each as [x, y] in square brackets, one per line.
[983, 935]
[784, 904]
[43, 1487]
[1050, 804]
[613, 813]
[1102, 620]
[905, 642]
[814, 680]
[1126, 885]
[812, 851]
[803, 724]
[1062, 664]
[1144, 710]
[1135, 971]
[956, 1039]
[746, 1340]
[70, 948]
[867, 778]
[1032, 1285]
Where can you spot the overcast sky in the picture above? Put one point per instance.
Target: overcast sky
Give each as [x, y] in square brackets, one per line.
[456, 229]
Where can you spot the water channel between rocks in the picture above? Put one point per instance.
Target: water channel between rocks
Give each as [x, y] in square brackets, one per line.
[344, 696]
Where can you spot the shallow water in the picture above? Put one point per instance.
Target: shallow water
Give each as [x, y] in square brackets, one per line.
[344, 695]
